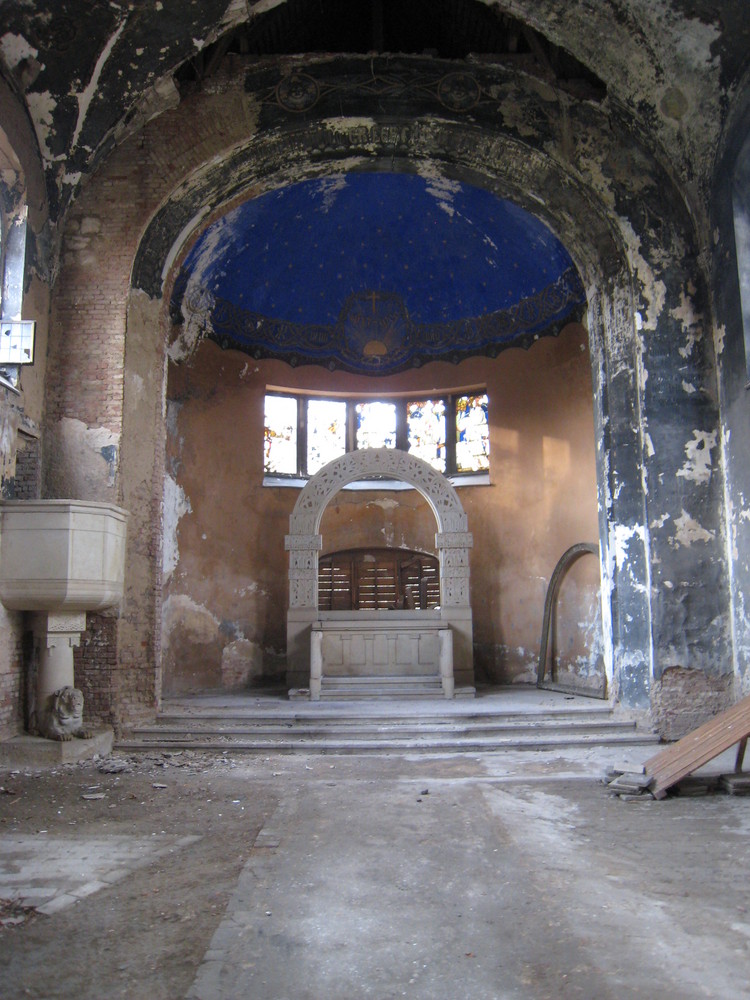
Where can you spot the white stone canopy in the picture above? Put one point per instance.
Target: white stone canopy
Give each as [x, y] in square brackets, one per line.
[452, 541]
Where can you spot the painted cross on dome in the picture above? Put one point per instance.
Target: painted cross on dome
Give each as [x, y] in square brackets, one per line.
[375, 325]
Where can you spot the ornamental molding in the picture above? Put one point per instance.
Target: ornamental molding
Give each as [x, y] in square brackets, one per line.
[385, 463]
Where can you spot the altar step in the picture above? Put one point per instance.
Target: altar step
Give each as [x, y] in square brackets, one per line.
[366, 727]
[386, 688]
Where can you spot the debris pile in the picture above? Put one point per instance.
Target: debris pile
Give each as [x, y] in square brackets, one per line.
[14, 912]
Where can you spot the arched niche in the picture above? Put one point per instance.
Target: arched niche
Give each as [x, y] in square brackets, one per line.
[452, 541]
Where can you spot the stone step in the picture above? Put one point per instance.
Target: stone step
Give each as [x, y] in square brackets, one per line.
[504, 720]
[353, 688]
[354, 732]
[372, 729]
[443, 712]
[456, 744]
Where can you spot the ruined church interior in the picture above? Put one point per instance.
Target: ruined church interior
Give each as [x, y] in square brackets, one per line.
[372, 364]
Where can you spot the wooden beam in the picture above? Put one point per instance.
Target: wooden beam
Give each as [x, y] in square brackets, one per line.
[699, 747]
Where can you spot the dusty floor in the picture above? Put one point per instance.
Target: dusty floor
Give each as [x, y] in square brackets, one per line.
[311, 877]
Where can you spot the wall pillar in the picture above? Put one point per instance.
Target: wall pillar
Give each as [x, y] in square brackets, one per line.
[626, 614]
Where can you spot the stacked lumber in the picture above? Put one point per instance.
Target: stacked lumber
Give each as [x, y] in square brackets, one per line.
[735, 784]
[704, 744]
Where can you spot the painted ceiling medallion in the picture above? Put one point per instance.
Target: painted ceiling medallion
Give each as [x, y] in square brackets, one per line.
[459, 91]
[297, 92]
[375, 273]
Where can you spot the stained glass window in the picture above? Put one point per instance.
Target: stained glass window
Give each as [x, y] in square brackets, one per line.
[472, 434]
[376, 425]
[326, 432]
[425, 421]
[280, 435]
[304, 433]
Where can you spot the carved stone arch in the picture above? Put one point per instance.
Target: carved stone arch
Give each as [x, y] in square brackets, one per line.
[452, 540]
[304, 542]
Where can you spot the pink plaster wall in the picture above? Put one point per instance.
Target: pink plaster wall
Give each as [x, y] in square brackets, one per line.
[226, 598]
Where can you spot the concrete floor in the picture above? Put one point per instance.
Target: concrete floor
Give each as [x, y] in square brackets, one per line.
[486, 887]
[510, 876]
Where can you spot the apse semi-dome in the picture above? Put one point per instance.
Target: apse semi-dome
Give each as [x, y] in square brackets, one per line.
[376, 272]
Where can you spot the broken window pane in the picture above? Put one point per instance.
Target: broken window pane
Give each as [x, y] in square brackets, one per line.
[426, 431]
[376, 425]
[472, 434]
[280, 435]
[326, 432]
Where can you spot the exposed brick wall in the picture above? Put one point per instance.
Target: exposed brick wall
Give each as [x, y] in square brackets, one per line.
[682, 700]
[28, 484]
[95, 662]
[12, 644]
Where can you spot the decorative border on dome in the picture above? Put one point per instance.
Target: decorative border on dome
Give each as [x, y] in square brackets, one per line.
[405, 344]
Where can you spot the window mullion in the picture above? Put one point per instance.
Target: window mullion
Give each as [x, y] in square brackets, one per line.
[302, 436]
[351, 427]
[402, 430]
[450, 435]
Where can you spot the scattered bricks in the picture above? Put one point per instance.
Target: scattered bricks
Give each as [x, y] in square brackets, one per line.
[693, 786]
[630, 784]
[735, 784]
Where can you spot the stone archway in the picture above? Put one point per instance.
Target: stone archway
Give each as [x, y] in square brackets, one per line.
[452, 540]
[651, 283]
[502, 164]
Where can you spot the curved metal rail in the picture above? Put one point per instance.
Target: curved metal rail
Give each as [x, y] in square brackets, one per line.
[567, 559]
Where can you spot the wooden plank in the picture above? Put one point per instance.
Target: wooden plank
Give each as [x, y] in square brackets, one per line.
[699, 747]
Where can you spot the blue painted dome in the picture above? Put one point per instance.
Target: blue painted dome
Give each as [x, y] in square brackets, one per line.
[376, 272]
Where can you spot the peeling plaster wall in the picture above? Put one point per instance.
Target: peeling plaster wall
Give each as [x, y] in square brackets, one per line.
[137, 678]
[663, 45]
[399, 519]
[25, 294]
[729, 337]
[226, 597]
[104, 401]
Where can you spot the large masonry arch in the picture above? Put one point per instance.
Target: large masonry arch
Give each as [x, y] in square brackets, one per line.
[637, 306]
[452, 540]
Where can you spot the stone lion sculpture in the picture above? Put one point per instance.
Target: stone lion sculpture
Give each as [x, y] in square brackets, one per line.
[61, 718]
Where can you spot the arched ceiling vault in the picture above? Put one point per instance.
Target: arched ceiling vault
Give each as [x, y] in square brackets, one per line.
[90, 72]
[376, 272]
